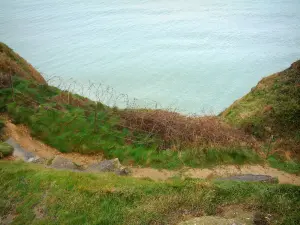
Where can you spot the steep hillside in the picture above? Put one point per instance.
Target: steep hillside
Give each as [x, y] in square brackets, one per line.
[72, 123]
[12, 64]
[271, 111]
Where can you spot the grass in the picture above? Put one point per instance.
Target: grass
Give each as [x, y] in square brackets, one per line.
[272, 107]
[69, 123]
[157, 138]
[5, 150]
[287, 166]
[11, 63]
[35, 195]
[271, 110]
[67, 127]
[2, 125]
[203, 158]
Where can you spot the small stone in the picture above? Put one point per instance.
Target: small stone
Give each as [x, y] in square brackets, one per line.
[123, 171]
[37, 160]
[112, 165]
[63, 163]
[19, 151]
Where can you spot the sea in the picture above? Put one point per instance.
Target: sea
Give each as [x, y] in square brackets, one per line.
[191, 56]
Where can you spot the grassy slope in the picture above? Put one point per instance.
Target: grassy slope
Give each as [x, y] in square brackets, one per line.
[70, 128]
[271, 111]
[11, 63]
[61, 197]
[72, 123]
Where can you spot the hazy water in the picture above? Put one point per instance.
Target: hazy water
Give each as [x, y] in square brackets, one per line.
[189, 54]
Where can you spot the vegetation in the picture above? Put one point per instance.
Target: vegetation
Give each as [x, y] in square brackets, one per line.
[290, 166]
[11, 64]
[75, 127]
[158, 138]
[31, 194]
[35, 195]
[271, 111]
[72, 123]
[2, 125]
[5, 150]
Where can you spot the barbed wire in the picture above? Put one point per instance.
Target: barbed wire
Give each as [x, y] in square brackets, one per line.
[151, 119]
[107, 95]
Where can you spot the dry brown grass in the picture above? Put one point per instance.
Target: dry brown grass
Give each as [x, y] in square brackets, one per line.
[175, 130]
[178, 131]
[66, 97]
[5, 80]
[11, 63]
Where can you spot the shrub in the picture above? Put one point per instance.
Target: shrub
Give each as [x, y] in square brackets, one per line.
[5, 150]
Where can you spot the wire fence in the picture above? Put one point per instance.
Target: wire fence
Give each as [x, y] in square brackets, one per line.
[172, 127]
[107, 95]
[151, 118]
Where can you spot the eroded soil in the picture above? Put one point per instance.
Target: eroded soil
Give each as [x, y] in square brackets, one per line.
[22, 136]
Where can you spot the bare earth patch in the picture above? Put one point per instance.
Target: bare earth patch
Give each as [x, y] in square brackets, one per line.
[220, 171]
[21, 134]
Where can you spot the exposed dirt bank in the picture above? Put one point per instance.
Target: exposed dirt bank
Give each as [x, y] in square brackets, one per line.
[22, 136]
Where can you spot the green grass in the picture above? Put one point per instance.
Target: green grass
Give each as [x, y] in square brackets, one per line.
[271, 108]
[67, 127]
[72, 128]
[2, 125]
[11, 63]
[62, 197]
[72, 123]
[5, 150]
[271, 113]
[202, 157]
[287, 166]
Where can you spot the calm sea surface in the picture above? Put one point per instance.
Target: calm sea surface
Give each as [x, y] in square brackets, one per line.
[188, 54]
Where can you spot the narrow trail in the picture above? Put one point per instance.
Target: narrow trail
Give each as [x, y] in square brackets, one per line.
[22, 136]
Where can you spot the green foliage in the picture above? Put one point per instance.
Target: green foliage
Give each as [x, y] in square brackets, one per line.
[208, 157]
[271, 108]
[288, 166]
[66, 127]
[202, 157]
[72, 128]
[2, 125]
[5, 150]
[36, 195]
[11, 63]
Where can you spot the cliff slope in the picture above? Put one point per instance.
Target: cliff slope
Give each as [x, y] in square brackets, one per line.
[12, 64]
[271, 110]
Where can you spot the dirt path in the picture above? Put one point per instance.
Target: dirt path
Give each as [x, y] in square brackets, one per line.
[220, 171]
[22, 136]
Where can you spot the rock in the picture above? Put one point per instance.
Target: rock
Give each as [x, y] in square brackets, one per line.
[62, 163]
[37, 159]
[5, 150]
[112, 165]
[123, 171]
[27, 156]
[20, 152]
[251, 178]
